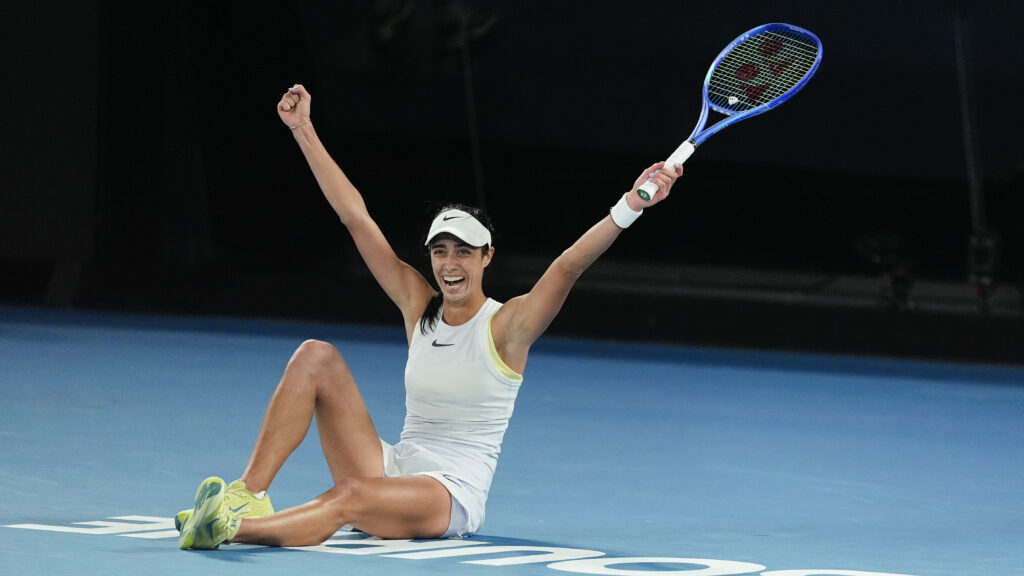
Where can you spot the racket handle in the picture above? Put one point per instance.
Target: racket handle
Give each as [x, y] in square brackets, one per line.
[648, 189]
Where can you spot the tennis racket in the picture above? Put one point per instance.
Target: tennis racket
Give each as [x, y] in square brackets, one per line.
[755, 73]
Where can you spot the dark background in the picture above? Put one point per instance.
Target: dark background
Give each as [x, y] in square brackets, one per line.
[145, 169]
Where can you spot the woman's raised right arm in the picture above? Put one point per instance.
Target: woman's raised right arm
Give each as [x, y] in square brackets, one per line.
[403, 284]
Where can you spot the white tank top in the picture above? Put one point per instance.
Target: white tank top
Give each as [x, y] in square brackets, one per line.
[459, 396]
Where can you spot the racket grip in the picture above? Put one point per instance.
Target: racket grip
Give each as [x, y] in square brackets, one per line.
[648, 189]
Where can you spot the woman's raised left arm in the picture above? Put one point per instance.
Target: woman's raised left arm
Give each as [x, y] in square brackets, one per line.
[523, 319]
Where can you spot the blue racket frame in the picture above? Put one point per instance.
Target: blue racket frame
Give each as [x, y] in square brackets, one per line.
[698, 136]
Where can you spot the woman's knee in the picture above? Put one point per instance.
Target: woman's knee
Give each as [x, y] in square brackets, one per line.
[406, 511]
[314, 368]
[348, 498]
[317, 356]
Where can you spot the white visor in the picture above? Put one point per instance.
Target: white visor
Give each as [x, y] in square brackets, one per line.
[461, 225]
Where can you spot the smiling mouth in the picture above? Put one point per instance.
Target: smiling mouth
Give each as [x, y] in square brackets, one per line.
[453, 281]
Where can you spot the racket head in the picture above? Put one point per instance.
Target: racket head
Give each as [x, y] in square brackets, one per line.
[759, 70]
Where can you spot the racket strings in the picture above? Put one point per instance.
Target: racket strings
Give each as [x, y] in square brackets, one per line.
[760, 69]
[752, 53]
[746, 78]
[750, 91]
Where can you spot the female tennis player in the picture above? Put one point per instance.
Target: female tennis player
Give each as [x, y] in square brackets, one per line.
[467, 354]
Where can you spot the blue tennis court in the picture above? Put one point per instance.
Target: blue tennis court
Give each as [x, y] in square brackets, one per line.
[620, 459]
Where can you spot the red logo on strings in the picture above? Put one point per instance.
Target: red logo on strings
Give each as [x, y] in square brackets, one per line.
[755, 92]
[779, 68]
[748, 71]
[770, 47]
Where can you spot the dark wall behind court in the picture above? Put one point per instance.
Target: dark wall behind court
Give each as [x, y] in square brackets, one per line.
[145, 169]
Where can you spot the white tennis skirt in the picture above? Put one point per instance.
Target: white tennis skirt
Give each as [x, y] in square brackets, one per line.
[406, 459]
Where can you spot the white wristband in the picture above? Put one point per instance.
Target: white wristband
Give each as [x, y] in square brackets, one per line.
[622, 214]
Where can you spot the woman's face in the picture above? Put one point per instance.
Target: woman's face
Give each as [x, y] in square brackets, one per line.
[458, 268]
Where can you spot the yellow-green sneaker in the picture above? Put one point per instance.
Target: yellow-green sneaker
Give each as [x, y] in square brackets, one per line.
[211, 521]
[247, 504]
[240, 500]
[180, 518]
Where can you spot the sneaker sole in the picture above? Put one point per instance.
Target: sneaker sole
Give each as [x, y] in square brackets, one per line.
[208, 497]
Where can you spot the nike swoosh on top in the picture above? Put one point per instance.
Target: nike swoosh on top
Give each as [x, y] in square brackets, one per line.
[447, 218]
[436, 344]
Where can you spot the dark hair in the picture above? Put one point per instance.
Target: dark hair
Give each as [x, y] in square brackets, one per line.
[433, 312]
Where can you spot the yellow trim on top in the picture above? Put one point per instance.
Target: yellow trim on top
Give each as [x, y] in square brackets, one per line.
[502, 367]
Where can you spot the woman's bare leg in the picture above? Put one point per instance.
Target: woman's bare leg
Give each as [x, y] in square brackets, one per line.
[317, 382]
[404, 507]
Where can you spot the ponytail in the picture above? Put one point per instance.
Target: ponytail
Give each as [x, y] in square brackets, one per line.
[430, 316]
